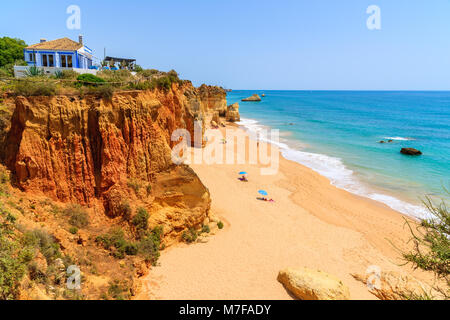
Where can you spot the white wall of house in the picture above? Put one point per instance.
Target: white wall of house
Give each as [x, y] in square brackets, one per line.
[21, 71]
[84, 59]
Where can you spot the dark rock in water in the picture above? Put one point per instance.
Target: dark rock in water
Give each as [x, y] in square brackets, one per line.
[381, 141]
[390, 141]
[411, 152]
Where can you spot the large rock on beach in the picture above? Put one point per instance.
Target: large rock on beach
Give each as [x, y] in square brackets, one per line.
[411, 152]
[254, 97]
[394, 286]
[307, 284]
[233, 113]
[216, 117]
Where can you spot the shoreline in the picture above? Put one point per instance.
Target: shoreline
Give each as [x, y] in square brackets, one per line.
[348, 180]
[312, 224]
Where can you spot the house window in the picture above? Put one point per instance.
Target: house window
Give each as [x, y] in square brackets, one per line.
[48, 60]
[51, 60]
[63, 61]
[66, 61]
[44, 60]
[32, 57]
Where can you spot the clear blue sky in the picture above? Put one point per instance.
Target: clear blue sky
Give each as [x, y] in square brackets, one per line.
[259, 44]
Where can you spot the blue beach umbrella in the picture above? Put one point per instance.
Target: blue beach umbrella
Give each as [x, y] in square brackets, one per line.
[242, 172]
[263, 192]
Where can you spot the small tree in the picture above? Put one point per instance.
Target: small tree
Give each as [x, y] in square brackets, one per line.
[431, 240]
[11, 50]
[140, 220]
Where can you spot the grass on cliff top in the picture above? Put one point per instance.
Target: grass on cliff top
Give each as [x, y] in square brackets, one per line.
[103, 85]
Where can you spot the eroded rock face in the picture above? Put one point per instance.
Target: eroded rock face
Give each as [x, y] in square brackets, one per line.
[233, 113]
[214, 99]
[85, 150]
[307, 284]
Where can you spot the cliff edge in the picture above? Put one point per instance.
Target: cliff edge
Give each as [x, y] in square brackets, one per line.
[88, 150]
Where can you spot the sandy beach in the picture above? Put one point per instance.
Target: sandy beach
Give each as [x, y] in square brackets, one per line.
[311, 224]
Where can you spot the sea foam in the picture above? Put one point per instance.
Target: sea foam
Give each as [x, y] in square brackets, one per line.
[399, 138]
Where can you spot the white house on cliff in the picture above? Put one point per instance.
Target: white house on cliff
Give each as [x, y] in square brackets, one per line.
[57, 55]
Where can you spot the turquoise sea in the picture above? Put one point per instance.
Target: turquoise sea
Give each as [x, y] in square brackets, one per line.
[337, 133]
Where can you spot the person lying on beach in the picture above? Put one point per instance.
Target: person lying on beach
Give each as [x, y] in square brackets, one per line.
[265, 199]
[243, 179]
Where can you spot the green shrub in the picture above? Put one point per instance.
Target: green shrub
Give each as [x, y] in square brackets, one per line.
[78, 216]
[189, 236]
[125, 211]
[73, 230]
[220, 225]
[73, 295]
[28, 88]
[58, 74]
[89, 79]
[432, 244]
[12, 269]
[206, 229]
[173, 75]
[142, 85]
[5, 73]
[34, 71]
[11, 49]
[105, 91]
[116, 76]
[116, 239]
[14, 257]
[149, 246]
[148, 73]
[163, 82]
[118, 290]
[140, 220]
[36, 274]
[66, 74]
[43, 241]
[4, 176]
[131, 249]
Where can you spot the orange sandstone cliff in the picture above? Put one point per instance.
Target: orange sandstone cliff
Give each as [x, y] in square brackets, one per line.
[91, 150]
[214, 99]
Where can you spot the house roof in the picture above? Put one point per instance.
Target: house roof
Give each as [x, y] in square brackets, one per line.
[65, 44]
